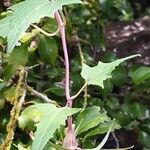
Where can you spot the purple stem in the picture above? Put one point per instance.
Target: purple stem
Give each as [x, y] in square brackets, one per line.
[63, 38]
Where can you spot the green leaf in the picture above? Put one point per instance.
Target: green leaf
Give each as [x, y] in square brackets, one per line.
[136, 110]
[4, 26]
[90, 118]
[144, 138]
[108, 87]
[26, 13]
[119, 76]
[103, 141]
[2, 103]
[96, 75]
[141, 74]
[52, 118]
[2, 85]
[48, 49]
[18, 57]
[28, 118]
[102, 128]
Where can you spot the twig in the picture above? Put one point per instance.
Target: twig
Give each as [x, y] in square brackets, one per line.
[22, 99]
[31, 67]
[44, 32]
[76, 95]
[116, 140]
[42, 96]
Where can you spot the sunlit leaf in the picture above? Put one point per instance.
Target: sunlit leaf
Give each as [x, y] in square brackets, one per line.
[28, 117]
[4, 26]
[52, 118]
[96, 75]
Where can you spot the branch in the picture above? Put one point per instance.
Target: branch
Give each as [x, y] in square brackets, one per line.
[42, 96]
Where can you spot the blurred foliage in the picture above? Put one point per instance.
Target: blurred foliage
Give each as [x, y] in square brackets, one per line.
[125, 96]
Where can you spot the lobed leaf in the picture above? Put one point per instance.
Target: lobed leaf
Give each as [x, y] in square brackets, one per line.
[48, 49]
[96, 75]
[52, 118]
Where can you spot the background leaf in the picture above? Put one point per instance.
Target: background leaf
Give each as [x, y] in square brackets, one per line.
[48, 49]
[96, 75]
[89, 118]
[141, 74]
[52, 118]
[18, 57]
[103, 128]
[103, 141]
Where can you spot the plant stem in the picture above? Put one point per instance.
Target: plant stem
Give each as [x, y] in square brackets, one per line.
[76, 95]
[70, 138]
[63, 38]
[44, 32]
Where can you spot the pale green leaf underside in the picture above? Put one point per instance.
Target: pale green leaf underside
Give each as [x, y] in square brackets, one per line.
[96, 75]
[4, 26]
[25, 13]
[52, 118]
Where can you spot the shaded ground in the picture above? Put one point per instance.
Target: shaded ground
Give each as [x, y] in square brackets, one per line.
[126, 38]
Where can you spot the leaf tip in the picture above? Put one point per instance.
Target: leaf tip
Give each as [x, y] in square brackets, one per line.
[138, 55]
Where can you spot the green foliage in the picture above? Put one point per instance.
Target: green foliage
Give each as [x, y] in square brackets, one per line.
[52, 118]
[103, 141]
[96, 75]
[122, 92]
[19, 57]
[89, 118]
[28, 118]
[144, 139]
[48, 49]
[103, 128]
[14, 26]
[4, 26]
[140, 75]
[115, 8]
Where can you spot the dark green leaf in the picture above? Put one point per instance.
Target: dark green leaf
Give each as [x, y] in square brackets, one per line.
[103, 128]
[48, 49]
[144, 138]
[141, 74]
